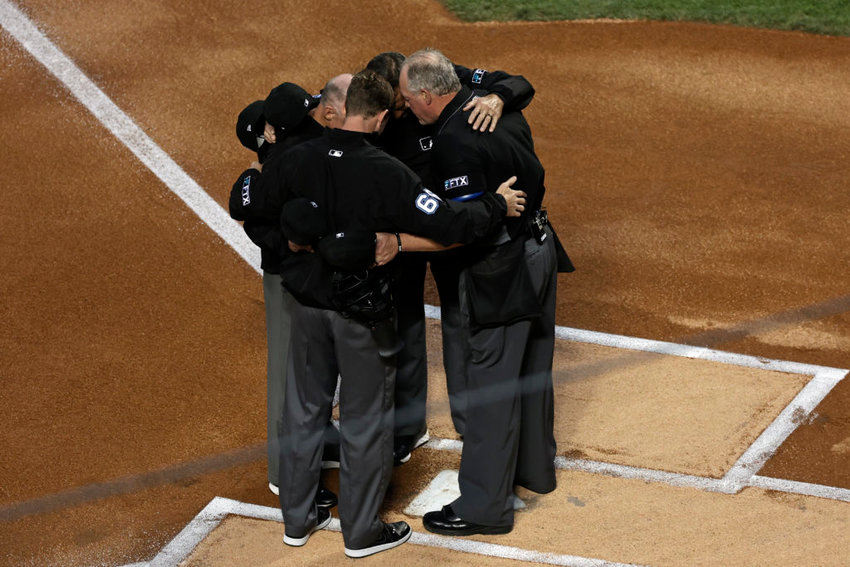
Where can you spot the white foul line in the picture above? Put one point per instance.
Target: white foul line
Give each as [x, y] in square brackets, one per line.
[126, 130]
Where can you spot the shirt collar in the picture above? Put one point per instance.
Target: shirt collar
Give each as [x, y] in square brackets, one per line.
[454, 106]
[343, 138]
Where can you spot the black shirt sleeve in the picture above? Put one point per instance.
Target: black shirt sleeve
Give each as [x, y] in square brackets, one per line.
[419, 211]
[267, 236]
[242, 195]
[515, 90]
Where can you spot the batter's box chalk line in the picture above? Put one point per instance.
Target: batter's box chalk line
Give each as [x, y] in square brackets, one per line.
[212, 515]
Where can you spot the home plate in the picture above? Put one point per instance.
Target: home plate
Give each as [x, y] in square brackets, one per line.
[441, 491]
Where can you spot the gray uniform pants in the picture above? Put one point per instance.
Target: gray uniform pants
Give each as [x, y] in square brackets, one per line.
[509, 437]
[446, 268]
[411, 387]
[412, 379]
[322, 343]
[278, 303]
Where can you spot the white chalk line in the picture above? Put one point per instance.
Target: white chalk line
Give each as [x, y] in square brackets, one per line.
[708, 484]
[675, 349]
[801, 488]
[824, 379]
[687, 351]
[795, 413]
[125, 129]
[212, 515]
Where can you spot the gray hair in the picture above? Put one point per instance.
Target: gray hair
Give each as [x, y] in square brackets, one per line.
[431, 70]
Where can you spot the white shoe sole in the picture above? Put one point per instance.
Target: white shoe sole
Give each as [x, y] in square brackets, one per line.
[366, 551]
[419, 442]
[299, 541]
[274, 489]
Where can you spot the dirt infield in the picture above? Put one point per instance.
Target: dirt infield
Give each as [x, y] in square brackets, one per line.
[697, 175]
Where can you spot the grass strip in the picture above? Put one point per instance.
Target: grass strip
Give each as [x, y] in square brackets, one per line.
[827, 17]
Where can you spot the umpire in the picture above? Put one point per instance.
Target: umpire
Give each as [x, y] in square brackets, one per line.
[362, 190]
[507, 294]
[287, 117]
[411, 142]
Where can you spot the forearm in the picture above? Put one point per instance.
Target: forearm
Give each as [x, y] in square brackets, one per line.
[389, 244]
[414, 243]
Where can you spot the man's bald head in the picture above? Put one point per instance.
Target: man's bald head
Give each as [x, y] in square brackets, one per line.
[332, 102]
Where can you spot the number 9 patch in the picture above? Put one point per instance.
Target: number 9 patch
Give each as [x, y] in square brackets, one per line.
[427, 202]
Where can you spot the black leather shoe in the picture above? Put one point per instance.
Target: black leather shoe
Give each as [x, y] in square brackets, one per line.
[446, 522]
[325, 498]
[403, 446]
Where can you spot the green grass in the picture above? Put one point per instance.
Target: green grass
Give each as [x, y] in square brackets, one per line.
[830, 17]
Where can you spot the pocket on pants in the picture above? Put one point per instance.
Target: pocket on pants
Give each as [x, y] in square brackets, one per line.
[487, 346]
[499, 288]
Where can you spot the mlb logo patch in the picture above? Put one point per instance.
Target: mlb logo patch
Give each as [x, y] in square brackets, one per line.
[335, 153]
[426, 143]
[478, 76]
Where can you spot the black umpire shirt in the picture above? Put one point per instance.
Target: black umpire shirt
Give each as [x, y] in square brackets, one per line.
[363, 188]
[468, 164]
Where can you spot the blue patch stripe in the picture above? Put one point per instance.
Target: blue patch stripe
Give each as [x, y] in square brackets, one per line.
[467, 197]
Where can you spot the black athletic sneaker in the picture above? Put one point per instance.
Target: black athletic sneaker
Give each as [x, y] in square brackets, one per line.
[403, 445]
[323, 518]
[392, 536]
[325, 498]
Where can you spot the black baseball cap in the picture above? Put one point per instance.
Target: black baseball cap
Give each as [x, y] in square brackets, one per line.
[303, 222]
[250, 125]
[352, 250]
[287, 105]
